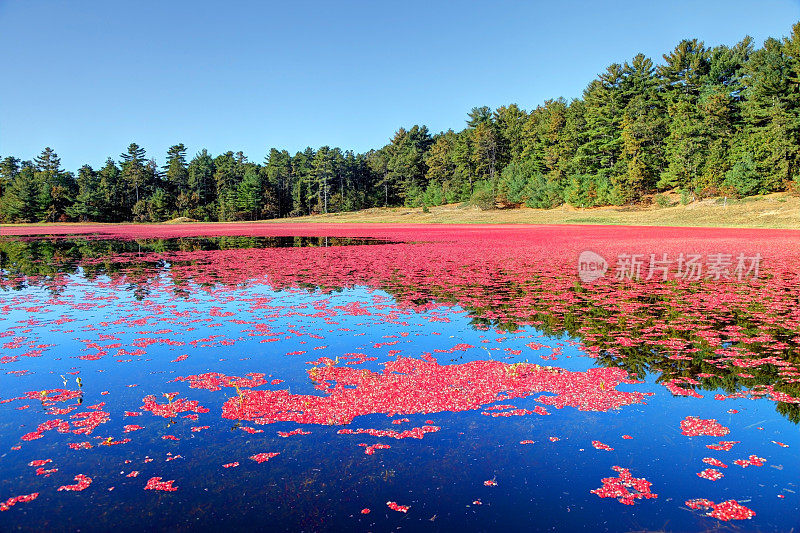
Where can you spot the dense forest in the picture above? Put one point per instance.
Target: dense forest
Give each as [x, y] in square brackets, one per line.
[705, 121]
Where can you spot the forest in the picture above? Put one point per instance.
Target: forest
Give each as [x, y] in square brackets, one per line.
[704, 121]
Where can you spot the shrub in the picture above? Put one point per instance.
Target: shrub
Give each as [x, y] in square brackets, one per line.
[662, 200]
[743, 177]
[413, 196]
[794, 187]
[513, 185]
[483, 198]
[543, 192]
[433, 194]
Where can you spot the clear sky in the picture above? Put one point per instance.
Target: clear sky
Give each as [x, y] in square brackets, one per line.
[88, 78]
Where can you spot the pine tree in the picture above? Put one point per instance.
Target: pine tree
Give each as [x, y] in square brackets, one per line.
[323, 172]
[642, 130]
[176, 176]
[743, 179]
[509, 124]
[378, 165]
[351, 171]
[89, 200]
[478, 116]
[57, 187]
[9, 168]
[600, 154]
[440, 162]
[464, 177]
[684, 69]
[685, 147]
[771, 114]
[304, 181]
[406, 163]
[484, 154]
[791, 50]
[226, 179]
[250, 196]
[135, 176]
[112, 195]
[159, 205]
[23, 200]
[278, 174]
[48, 161]
[202, 189]
[718, 113]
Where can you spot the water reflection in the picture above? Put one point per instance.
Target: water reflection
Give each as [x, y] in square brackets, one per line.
[130, 317]
[684, 354]
[39, 257]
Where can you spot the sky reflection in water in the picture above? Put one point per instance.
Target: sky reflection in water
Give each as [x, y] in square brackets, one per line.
[127, 322]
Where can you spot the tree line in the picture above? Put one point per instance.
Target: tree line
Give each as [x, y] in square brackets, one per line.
[705, 121]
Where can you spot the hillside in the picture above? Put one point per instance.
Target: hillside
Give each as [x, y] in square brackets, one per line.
[778, 210]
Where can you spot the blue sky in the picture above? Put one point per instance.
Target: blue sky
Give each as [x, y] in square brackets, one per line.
[88, 78]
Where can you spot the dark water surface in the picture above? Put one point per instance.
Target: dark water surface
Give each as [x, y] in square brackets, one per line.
[491, 357]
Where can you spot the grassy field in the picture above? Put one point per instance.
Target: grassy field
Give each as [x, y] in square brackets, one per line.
[777, 210]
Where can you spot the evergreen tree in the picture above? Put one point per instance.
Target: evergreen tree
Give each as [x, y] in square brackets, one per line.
[353, 182]
[227, 176]
[250, 197]
[791, 51]
[743, 179]
[9, 168]
[304, 181]
[406, 163]
[112, 193]
[718, 112]
[685, 147]
[510, 129]
[56, 187]
[159, 205]
[643, 130]
[23, 200]
[441, 173]
[135, 176]
[278, 174]
[684, 69]
[484, 154]
[176, 176]
[770, 111]
[323, 172]
[88, 203]
[600, 154]
[464, 178]
[201, 185]
[378, 165]
[478, 116]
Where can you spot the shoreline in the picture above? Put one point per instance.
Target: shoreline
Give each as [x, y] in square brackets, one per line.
[773, 211]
